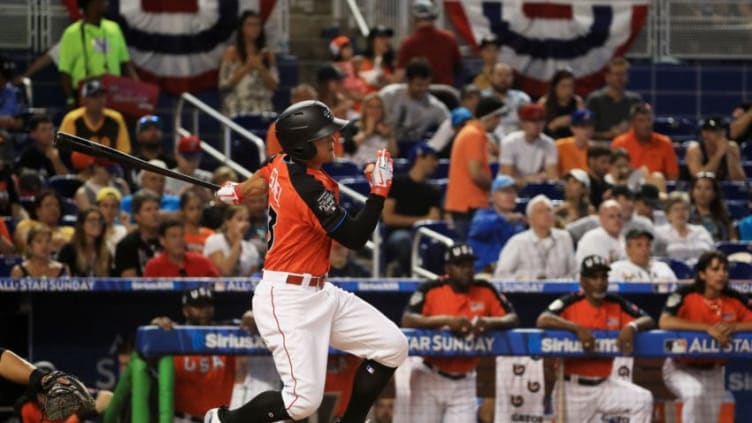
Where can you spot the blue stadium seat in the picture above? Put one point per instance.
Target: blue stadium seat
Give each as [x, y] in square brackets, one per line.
[245, 153]
[740, 270]
[747, 164]
[671, 126]
[401, 166]
[69, 207]
[442, 170]
[27, 202]
[431, 252]
[552, 190]
[10, 223]
[735, 190]
[68, 220]
[738, 209]
[680, 150]
[732, 247]
[343, 168]
[494, 168]
[7, 263]
[358, 183]
[681, 270]
[65, 185]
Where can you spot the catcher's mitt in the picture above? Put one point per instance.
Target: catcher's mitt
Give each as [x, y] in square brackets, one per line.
[65, 395]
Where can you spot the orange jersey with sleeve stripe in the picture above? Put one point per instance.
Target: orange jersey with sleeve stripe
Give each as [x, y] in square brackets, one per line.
[613, 313]
[303, 209]
[202, 382]
[688, 303]
[439, 298]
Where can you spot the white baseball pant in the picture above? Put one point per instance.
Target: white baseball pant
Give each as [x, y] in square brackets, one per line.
[700, 391]
[437, 399]
[613, 397]
[520, 388]
[299, 323]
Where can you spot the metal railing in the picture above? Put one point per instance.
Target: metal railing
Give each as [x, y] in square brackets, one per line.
[416, 266]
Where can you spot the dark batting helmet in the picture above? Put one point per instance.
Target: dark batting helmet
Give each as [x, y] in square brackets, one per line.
[302, 123]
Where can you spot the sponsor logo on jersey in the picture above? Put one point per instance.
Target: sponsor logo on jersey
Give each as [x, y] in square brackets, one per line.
[476, 306]
[326, 203]
[533, 386]
[518, 369]
[517, 400]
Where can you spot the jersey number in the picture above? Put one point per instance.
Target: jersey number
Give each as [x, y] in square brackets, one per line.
[271, 224]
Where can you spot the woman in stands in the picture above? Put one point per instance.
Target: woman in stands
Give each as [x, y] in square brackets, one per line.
[560, 102]
[87, 253]
[108, 203]
[708, 305]
[191, 211]
[248, 70]
[682, 240]
[230, 253]
[373, 132]
[709, 207]
[576, 204]
[38, 263]
[378, 60]
[47, 210]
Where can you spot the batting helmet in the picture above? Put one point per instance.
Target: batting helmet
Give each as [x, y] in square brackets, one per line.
[302, 123]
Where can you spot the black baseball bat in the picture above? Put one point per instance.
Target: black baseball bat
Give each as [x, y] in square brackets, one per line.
[67, 141]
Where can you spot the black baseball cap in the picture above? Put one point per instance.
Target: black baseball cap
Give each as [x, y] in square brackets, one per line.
[489, 39]
[329, 72]
[459, 252]
[714, 123]
[92, 87]
[380, 31]
[622, 190]
[639, 233]
[592, 264]
[649, 194]
[198, 296]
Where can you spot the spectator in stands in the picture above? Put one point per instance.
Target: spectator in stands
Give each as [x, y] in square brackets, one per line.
[502, 80]
[248, 71]
[489, 53]
[149, 146]
[377, 68]
[302, 92]
[343, 266]
[576, 204]
[96, 122]
[560, 103]
[154, 183]
[41, 154]
[630, 220]
[374, 132]
[648, 204]
[492, 227]
[413, 110]
[541, 252]
[102, 175]
[438, 46]
[10, 202]
[191, 210]
[108, 202]
[39, 262]
[6, 240]
[188, 156]
[410, 200]
[174, 261]
[230, 253]
[708, 305]
[469, 169]
[258, 220]
[683, 241]
[444, 136]
[349, 64]
[529, 155]
[714, 153]
[442, 389]
[606, 240]
[87, 253]
[214, 213]
[649, 151]
[745, 225]
[11, 104]
[709, 207]
[382, 410]
[332, 91]
[598, 161]
[572, 150]
[593, 308]
[612, 104]
[47, 210]
[639, 266]
[136, 248]
[91, 47]
[740, 129]
[621, 172]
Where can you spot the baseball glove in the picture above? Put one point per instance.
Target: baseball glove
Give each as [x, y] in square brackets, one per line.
[65, 395]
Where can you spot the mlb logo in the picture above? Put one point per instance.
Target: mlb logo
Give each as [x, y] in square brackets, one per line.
[675, 346]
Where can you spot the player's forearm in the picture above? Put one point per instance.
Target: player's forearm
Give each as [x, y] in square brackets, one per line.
[644, 323]
[551, 321]
[354, 232]
[15, 368]
[738, 126]
[503, 322]
[669, 322]
[419, 321]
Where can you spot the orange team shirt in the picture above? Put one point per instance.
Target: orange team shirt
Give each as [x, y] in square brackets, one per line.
[303, 209]
[614, 313]
[690, 304]
[439, 298]
[340, 372]
[32, 413]
[274, 147]
[195, 242]
[571, 156]
[462, 193]
[658, 154]
[202, 382]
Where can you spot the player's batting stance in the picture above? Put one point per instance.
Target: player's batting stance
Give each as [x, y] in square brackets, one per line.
[298, 314]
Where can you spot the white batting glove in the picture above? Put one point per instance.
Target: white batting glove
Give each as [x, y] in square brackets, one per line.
[380, 173]
[229, 193]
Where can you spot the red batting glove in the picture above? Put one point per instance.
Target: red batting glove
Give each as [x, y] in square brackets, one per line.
[380, 173]
[229, 193]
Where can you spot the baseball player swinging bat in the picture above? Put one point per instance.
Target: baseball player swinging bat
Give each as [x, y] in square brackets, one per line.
[67, 141]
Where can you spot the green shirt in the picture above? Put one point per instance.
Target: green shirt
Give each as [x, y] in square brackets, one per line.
[105, 50]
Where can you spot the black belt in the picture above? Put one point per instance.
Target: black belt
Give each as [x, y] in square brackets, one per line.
[453, 376]
[585, 381]
[189, 417]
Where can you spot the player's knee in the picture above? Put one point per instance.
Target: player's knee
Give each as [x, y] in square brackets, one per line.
[305, 403]
[396, 351]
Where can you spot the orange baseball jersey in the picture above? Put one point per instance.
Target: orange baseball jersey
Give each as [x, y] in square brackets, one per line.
[439, 298]
[303, 209]
[340, 372]
[688, 303]
[614, 313]
[214, 374]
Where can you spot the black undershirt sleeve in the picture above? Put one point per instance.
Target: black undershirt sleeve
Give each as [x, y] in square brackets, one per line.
[354, 232]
